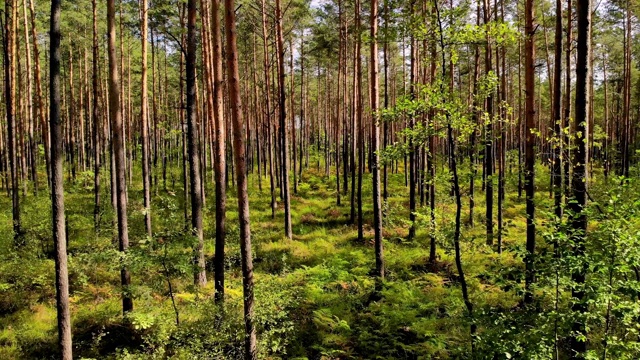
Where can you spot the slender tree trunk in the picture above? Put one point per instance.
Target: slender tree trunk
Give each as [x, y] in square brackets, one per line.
[95, 118]
[412, 148]
[200, 275]
[578, 204]
[30, 120]
[39, 97]
[457, 194]
[431, 166]
[567, 98]
[385, 129]
[488, 148]
[302, 110]
[71, 116]
[626, 93]
[472, 154]
[608, 138]
[354, 133]
[118, 151]
[502, 141]
[185, 176]
[358, 110]
[241, 177]
[294, 152]
[556, 172]
[267, 104]
[219, 158]
[283, 124]
[9, 81]
[375, 144]
[338, 112]
[144, 116]
[530, 159]
[57, 189]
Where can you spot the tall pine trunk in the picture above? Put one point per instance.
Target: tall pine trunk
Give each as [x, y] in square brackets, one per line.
[219, 156]
[39, 97]
[284, 140]
[9, 81]
[95, 118]
[358, 110]
[556, 172]
[144, 117]
[375, 143]
[529, 79]
[579, 182]
[267, 111]
[200, 275]
[235, 106]
[488, 145]
[117, 132]
[57, 188]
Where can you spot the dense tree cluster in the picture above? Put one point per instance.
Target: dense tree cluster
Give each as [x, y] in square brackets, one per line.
[376, 124]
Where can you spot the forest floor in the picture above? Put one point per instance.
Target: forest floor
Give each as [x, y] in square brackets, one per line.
[314, 293]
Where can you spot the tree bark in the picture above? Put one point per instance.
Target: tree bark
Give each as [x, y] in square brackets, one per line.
[117, 133]
[488, 145]
[57, 189]
[200, 275]
[235, 106]
[284, 140]
[375, 144]
[267, 104]
[9, 81]
[358, 110]
[579, 182]
[39, 96]
[567, 98]
[95, 118]
[219, 157]
[30, 120]
[144, 117]
[556, 172]
[530, 159]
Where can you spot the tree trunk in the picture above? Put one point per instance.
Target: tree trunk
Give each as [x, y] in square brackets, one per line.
[455, 182]
[472, 137]
[385, 129]
[118, 151]
[412, 148]
[31, 121]
[358, 110]
[57, 189]
[556, 172]
[488, 145]
[267, 111]
[339, 114]
[283, 125]
[579, 183]
[626, 93]
[567, 98]
[95, 118]
[241, 177]
[529, 79]
[39, 96]
[219, 158]
[200, 275]
[144, 117]
[9, 81]
[375, 144]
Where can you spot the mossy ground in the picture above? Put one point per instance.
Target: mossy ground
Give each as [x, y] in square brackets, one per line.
[315, 295]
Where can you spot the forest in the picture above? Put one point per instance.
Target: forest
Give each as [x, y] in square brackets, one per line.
[320, 179]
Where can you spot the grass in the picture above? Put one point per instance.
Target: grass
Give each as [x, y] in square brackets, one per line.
[314, 293]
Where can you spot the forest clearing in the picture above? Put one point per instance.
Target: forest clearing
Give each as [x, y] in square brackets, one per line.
[319, 179]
